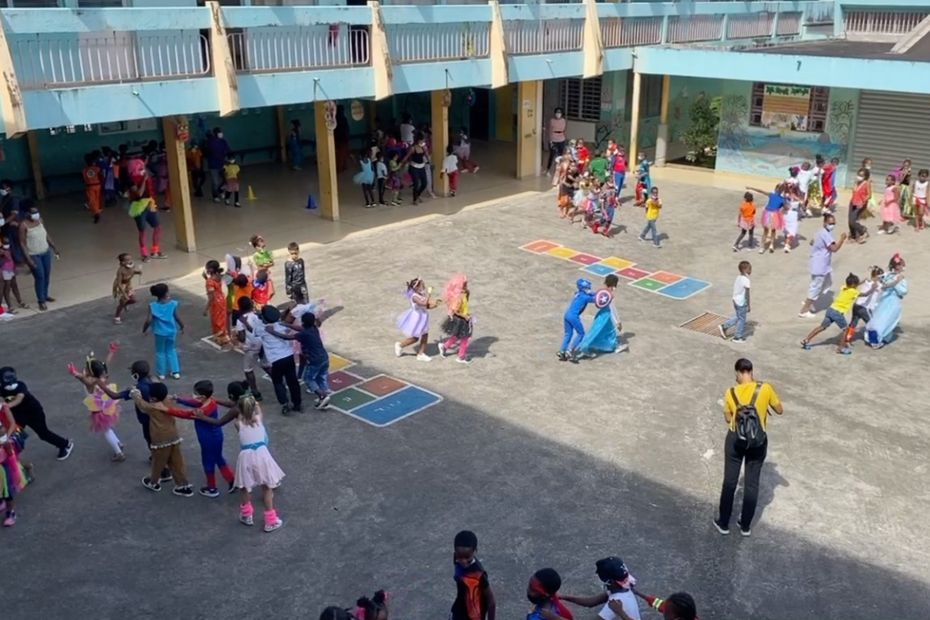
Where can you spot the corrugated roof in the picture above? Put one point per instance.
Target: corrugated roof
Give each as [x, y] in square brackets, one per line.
[842, 48]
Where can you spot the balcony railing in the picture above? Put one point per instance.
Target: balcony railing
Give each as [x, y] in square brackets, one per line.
[616, 32]
[882, 22]
[430, 42]
[750, 26]
[695, 28]
[258, 50]
[789, 24]
[60, 61]
[540, 37]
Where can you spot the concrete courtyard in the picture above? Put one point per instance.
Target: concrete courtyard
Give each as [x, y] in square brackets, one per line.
[551, 464]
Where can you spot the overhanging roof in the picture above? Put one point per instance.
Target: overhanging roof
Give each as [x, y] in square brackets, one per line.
[842, 48]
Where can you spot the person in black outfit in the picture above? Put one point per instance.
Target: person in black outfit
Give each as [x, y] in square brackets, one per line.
[28, 411]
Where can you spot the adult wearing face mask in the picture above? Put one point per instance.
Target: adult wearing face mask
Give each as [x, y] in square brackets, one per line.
[821, 263]
[217, 150]
[39, 248]
[556, 136]
[8, 202]
[28, 411]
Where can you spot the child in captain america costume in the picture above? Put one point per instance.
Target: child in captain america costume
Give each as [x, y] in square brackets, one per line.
[572, 321]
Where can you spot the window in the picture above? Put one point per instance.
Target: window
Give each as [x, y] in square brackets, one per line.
[785, 106]
[650, 96]
[581, 99]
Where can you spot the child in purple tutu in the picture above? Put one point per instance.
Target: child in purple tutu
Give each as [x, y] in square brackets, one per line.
[102, 400]
[414, 322]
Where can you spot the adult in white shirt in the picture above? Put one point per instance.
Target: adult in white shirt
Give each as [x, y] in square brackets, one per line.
[280, 354]
[407, 130]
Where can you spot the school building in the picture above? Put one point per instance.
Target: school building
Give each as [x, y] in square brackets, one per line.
[791, 79]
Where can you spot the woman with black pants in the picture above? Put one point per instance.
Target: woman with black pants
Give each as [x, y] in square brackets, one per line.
[28, 411]
[416, 157]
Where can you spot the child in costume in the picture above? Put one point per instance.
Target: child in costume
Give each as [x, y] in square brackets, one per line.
[262, 289]
[643, 180]
[474, 599]
[102, 399]
[792, 216]
[609, 203]
[618, 599]
[122, 285]
[603, 337]
[166, 324]
[543, 593]
[14, 475]
[231, 183]
[216, 303]
[374, 608]
[414, 322]
[678, 606]
[261, 257]
[459, 324]
[210, 438]
[166, 442]
[880, 329]
[141, 373]
[572, 321]
[295, 275]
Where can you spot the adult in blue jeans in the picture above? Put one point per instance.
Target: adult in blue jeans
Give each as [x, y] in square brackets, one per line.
[740, 304]
[39, 249]
[217, 149]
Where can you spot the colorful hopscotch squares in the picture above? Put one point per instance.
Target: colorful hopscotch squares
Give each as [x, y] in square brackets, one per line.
[665, 283]
[381, 400]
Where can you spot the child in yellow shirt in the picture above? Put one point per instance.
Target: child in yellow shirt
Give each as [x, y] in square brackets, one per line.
[653, 206]
[231, 174]
[836, 313]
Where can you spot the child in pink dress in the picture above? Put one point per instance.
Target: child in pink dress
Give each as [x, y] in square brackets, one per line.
[255, 466]
[891, 207]
[102, 400]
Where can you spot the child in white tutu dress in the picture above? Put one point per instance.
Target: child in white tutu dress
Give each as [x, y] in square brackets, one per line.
[255, 466]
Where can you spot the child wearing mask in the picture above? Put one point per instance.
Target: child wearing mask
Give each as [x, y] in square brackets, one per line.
[474, 598]
[543, 593]
[618, 600]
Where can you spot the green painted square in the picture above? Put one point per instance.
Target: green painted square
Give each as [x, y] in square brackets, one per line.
[349, 399]
[649, 284]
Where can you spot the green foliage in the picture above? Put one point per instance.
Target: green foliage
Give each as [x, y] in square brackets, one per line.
[701, 135]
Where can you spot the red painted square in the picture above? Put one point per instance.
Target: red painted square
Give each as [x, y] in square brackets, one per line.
[340, 380]
[539, 246]
[666, 277]
[382, 385]
[632, 273]
[585, 259]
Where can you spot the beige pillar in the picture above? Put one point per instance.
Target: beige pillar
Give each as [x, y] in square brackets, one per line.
[662, 139]
[634, 120]
[529, 146]
[592, 46]
[381, 66]
[32, 140]
[503, 113]
[179, 182]
[497, 48]
[224, 71]
[283, 130]
[439, 123]
[324, 122]
[11, 99]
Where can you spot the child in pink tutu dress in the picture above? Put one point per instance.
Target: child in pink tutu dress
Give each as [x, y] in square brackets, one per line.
[414, 322]
[255, 466]
[102, 400]
[891, 207]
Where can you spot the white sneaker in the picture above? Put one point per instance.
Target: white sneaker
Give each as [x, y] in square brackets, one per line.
[723, 332]
[423, 357]
[463, 360]
[806, 315]
[398, 350]
[442, 348]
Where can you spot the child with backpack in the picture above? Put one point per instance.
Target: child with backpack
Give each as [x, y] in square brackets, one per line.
[836, 313]
[746, 408]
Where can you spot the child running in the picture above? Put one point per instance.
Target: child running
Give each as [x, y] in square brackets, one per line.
[166, 325]
[210, 438]
[295, 275]
[474, 598]
[772, 218]
[618, 600]
[8, 272]
[216, 303]
[122, 285]
[836, 313]
[102, 399]
[746, 220]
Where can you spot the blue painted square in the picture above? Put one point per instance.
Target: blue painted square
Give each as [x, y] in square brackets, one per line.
[599, 269]
[684, 288]
[396, 406]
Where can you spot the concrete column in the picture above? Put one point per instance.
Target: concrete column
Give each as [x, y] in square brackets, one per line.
[503, 113]
[662, 139]
[529, 146]
[11, 99]
[32, 140]
[439, 123]
[634, 119]
[224, 72]
[592, 46]
[497, 49]
[324, 124]
[380, 52]
[283, 130]
[179, 182]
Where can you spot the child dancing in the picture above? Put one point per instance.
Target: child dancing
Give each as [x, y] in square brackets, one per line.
[14, 475]
[458, 325]
[166, 442]
[414, 322]
[210, 438]
[216, 303]
[102, 399]
[122, 285]
[166, 325]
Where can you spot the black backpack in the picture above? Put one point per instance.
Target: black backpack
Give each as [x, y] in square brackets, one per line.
[748, 425]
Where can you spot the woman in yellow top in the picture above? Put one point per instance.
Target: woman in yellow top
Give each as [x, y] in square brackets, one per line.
[231, 176]
[653, 206]
[458, 325]
[763, 397]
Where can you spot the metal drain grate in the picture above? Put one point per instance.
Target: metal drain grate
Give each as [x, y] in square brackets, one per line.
[705, 323]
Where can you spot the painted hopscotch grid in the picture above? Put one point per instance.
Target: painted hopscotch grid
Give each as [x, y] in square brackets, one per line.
[665, 283]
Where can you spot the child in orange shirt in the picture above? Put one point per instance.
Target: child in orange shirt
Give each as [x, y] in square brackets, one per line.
[746, 221]
[93, 190]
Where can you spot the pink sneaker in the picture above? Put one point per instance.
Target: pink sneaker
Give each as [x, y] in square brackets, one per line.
[272, 521]
[10, 520]
[245, 514]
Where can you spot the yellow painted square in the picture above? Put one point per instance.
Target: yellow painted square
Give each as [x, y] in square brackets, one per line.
[337, 362]
[562, 252]
[617, 263]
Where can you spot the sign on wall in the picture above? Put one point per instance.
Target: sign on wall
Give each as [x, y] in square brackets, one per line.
[786, 107]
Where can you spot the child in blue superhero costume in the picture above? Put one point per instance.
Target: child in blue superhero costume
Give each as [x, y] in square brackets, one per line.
[572, 321]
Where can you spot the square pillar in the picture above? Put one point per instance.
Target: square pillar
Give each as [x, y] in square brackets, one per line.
[283, 131]
[176, 131]
[503, 113]
[662, 138]
[529, 146]
[35, 163]
[634, 119]
[439, 122]
[324, 122]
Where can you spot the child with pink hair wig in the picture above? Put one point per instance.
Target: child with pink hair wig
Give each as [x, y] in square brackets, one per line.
[458, 325]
